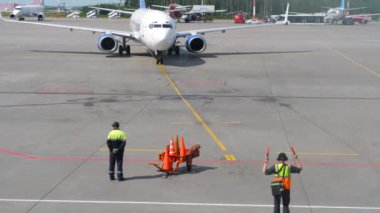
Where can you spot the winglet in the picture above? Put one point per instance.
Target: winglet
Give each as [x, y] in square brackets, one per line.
[142, 4]
[287, 14]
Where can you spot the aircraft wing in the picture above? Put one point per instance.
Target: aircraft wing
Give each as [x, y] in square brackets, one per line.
[160, 6]
[221, 29]
[112, 10]
[357, 8]
[373, 14]
[124, 34]
[224, 29]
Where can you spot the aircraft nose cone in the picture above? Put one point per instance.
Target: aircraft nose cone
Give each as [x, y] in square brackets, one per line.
[14, 14]
[163, 41]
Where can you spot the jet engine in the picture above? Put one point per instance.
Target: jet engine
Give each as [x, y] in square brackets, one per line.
[40, 17]
[12, 16]
[195, 44]
[107, 43]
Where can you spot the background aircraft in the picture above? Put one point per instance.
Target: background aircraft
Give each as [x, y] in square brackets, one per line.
[201, 13]
[341, 13]
[29, 10]
[154, 29]
[175, 11]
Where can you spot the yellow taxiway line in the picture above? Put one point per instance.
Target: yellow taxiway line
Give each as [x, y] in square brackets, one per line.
[230, 157]
[364, 67]
[191, 108]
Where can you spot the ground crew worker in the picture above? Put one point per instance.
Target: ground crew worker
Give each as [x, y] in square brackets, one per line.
[116, 141]
[282, 172]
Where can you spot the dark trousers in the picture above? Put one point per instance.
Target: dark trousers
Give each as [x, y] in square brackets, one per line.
[285, 195]
[116, 158]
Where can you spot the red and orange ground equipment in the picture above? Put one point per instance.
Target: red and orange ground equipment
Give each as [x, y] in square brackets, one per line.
[176, 155]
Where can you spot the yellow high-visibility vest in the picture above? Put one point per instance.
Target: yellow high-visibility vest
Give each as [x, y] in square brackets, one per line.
[117, 135]
[283, 175]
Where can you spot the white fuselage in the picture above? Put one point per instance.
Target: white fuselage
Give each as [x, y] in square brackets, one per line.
[155, 29]
[28, 11]
[335, 14]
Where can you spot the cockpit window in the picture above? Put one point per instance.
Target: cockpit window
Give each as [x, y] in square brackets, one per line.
[160, 26]
[167, 26]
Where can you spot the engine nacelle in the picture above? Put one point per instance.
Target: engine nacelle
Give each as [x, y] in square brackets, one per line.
[107, 43]
[12, 16]
[40, 17]
[195, 44]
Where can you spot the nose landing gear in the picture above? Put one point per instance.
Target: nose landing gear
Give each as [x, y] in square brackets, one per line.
[159, 58]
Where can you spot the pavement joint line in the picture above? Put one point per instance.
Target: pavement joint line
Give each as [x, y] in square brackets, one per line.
[191, 108]
[366, 68]
[188, 204]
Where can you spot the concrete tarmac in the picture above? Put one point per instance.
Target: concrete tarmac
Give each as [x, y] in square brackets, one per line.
[314, 87]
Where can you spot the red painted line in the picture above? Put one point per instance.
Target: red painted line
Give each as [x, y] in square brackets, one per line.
[9, 152]
[196, 161]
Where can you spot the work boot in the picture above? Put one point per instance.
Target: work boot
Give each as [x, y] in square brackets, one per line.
[112, 177]
[120, 177]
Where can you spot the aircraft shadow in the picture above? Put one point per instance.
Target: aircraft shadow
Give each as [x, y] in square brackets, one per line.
[107, 55]
[67, 52]
[183, 60]
[188, 60]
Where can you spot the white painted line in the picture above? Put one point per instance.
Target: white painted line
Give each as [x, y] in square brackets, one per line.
[187, 204]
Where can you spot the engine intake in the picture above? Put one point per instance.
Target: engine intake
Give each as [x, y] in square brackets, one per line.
[12, 16]
[195, 44]
[107, 43]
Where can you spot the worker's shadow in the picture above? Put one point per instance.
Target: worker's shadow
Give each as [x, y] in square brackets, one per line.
[143, 177]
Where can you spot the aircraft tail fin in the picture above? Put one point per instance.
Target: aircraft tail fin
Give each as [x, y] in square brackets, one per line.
[342, 4]
[39, 2]
[142, 4]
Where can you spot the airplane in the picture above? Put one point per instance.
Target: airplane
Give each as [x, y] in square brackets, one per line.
[154, 29]
[174, 10]
[334, 15]
[29, 10]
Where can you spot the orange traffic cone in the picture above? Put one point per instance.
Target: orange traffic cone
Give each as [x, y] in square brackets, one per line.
[171, 149]
[176, 146]
[167, 164]
[182, 151]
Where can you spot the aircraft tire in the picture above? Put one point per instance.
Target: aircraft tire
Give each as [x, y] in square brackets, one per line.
[170, 51]
[176, 50]
[120, 50]
[128, 50]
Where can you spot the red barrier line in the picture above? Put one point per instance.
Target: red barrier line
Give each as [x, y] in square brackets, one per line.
[197, 161]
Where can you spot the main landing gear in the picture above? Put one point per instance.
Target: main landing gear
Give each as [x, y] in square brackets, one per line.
[125, 48]
[175, 48]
